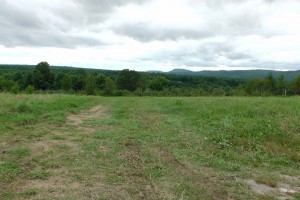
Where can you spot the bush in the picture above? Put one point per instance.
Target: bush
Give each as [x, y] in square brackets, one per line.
[15, 89]
[29, 89]
[138, 92]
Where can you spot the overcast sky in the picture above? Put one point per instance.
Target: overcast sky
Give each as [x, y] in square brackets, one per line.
[152, 34]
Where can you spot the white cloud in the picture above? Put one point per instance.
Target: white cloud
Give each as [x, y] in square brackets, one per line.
[152, 34]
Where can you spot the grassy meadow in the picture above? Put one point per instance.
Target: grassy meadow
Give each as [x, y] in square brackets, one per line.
[79, 147]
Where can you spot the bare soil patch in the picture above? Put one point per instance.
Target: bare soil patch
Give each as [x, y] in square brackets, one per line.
[43, 146]
[75, 120]
[78, 118]
[283, 190]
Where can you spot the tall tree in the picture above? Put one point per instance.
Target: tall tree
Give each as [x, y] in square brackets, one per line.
[29, 79]
[295, 85]
[90, 85]
[100, 81]
[66, 83]
[159, 83]
[79, 80]
[281, 85]
[128, 80]
[42, 77]
[255, 86]
[269, 84]
[6, 85]
[109, 87]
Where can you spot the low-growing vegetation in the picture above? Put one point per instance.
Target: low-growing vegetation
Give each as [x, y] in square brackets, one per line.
[87, 147]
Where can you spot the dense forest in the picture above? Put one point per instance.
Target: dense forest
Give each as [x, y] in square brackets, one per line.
[44, 78]
[241, 74]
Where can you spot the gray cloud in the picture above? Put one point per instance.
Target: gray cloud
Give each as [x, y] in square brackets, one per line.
[21, 27]
[25, 29]
[218, 32]
[14, 17]
[105, 5]
[144, 32]
[222, 22]
[46, 39]
[95, 11]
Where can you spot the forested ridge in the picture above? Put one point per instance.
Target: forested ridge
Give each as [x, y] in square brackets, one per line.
[243, 74]
[45, 78]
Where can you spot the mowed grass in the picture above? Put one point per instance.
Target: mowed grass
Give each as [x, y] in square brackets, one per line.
[78, 147]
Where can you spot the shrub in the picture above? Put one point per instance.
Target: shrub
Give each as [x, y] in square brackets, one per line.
[15, 89]
[29, 89]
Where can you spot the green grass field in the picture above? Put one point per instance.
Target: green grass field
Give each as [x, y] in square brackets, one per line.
[79, 147]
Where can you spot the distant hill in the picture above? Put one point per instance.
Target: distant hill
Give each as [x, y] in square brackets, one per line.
[154, 71]
[242, 74]
[183, 72]
[236, 74]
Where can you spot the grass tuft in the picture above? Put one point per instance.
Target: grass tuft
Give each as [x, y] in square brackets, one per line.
[23, 108]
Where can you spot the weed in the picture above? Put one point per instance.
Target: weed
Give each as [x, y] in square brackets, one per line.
[23, 108]
[114, 179]
[29, 192]
[40, 175]
[19, 151]
[57, 137]
[92, 146]
[9, 171]
[7, 195]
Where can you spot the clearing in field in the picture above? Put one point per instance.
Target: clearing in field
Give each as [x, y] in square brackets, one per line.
[77, 147]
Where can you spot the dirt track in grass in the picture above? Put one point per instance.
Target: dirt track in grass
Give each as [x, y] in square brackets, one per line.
[59, 141]
[149, 148]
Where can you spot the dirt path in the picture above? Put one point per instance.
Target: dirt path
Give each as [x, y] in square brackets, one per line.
[76, 120]
[74, 124]
[282, 190]
[56, 145]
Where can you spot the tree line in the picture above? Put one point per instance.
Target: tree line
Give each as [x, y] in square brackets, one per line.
[273, 86]
[45, 78]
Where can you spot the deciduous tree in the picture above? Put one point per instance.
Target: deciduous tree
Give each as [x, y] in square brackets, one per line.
[90, 85]
[66, 83]
[109, 87]
[128, 80]
[42, 76]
